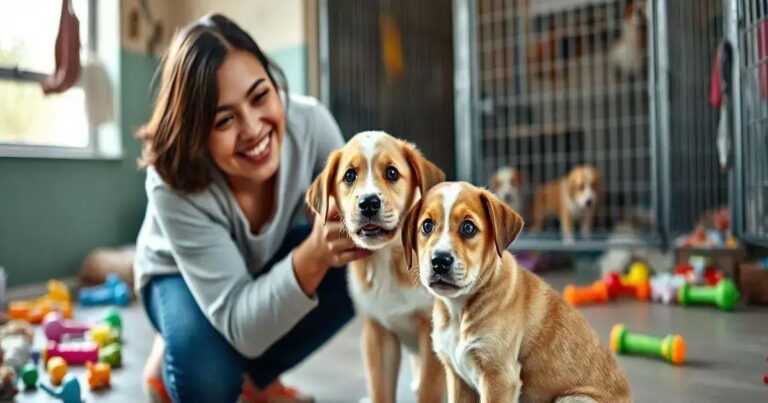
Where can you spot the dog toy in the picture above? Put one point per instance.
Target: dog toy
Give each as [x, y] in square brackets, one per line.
[616, 288]
[102, 335]
[114, 291]
[112, 355]
[56, 328]
[595, 293]
[664, 287]
[8, 388]
[113, 319]
[74, 353]
[713, 276]
[97, 375]
[56, 368]
[29, 375]
[639, 273]
[15, 340]
[724, 295]
[69, 392]
[34, 355]
[33, 311]
[671, 347]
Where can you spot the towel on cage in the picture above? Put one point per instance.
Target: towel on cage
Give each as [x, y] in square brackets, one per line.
[718, 93]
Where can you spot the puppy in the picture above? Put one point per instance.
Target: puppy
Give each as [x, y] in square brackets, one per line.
[502, 334]
[505, 184]
[627, 54]
[375, 179]
[572, 197]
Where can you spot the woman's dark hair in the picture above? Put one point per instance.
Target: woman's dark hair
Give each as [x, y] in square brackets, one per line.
[175, 138]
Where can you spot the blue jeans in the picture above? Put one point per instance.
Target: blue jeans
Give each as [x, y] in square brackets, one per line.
[200, 365]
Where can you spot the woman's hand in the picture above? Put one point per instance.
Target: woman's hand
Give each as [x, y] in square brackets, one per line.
[327, 246]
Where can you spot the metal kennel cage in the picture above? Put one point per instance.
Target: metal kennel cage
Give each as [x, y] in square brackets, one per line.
[545, 85]
[692, 181]
[618, 84]
[548, 91]
[749, 31]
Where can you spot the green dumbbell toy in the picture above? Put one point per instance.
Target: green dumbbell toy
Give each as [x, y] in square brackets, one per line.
[112, 318]
[724, 295]
[28, 375]
[671, 348]
[111, 355]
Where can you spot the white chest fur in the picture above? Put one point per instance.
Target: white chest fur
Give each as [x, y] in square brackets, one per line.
[448, 342]
[387, 300]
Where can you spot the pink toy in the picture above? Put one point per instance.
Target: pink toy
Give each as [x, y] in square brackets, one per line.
[664, 287]
[74, 353]
[57, 328]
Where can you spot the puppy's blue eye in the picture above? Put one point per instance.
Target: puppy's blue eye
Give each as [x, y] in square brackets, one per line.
[427, 226]
[350, 176]
[392, 174]
[468, 229]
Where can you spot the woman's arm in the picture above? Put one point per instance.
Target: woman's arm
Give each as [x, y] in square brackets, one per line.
[251, 313]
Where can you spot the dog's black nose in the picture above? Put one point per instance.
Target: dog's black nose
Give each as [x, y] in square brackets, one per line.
[588, 203]
[369, 205]
[441, 262]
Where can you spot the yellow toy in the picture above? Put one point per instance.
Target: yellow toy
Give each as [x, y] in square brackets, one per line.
[33, 311]
[639, 273]
[103, 335]
[97, 375]
[57, 368]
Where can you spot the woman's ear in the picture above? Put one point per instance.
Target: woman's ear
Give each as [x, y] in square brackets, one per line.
[505, 222]
[427, 174]
[409, 231]
[322, 187]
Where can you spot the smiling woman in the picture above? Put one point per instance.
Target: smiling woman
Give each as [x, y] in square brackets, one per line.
[220, 261]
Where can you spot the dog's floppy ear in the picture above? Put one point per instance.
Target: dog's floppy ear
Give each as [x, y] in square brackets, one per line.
[322, 187]
[409, 231]
[506, 224]
[427, 174]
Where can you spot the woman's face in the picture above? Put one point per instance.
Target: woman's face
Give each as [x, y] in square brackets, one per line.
[250, 120]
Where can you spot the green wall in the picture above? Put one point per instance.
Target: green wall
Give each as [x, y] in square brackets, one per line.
[293, 61]
[54, 211]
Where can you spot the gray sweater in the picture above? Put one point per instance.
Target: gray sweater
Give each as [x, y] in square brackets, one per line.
[205, 237]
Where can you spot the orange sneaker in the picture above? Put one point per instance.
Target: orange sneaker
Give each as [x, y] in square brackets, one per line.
[155, 391]
[274, 393]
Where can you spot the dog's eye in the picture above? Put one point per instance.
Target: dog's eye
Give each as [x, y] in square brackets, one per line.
[350, 176]
[467, 229]
[427, 226]
[392, 174]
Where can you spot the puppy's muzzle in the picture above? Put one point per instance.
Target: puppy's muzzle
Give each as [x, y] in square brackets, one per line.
[442, 262]
[369, 206]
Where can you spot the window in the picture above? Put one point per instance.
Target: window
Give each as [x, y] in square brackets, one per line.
[31, 123]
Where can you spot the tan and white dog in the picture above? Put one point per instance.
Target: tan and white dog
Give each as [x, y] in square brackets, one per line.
[375, 179]
[501, 332]
[505, 183]
[573, 197]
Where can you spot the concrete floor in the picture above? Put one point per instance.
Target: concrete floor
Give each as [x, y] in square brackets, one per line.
[725, 356]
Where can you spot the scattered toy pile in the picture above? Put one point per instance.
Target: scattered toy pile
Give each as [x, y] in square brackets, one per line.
[70, 343]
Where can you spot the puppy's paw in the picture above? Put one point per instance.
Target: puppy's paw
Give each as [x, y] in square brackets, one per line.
[568, 240]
